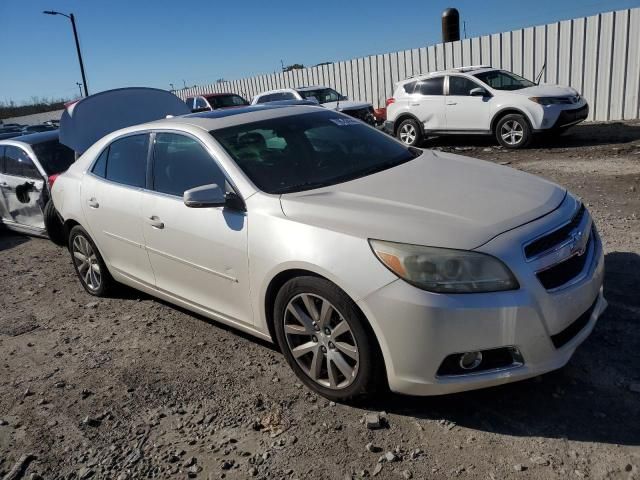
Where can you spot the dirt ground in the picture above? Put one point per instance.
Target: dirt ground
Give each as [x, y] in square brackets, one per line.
[131, 387]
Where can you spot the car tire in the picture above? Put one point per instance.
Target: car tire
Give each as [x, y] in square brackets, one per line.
[53, 225]
[410, 133]
[513, 131]
[344, 357]
[88, 263]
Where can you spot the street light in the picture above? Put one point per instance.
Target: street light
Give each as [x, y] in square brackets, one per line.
[75, 36]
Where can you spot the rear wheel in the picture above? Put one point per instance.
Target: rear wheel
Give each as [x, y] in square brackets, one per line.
[513, 131]
[53, 224]
[88, 263]
[324, 339]
[410, 133]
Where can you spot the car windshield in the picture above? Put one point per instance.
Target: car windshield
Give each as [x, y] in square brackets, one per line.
[310, 150]
[323, 95]
[501, 80]
[53, 156]
[222, 101]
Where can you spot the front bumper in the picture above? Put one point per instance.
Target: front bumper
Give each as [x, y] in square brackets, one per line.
[554, 117]
[417, 330]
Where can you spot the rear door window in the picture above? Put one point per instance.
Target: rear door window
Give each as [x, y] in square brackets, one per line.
[18, 163]
[430, 86]
[127, 160]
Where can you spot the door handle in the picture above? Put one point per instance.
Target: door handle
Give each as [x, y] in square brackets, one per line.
[156, 223]
[93, 203]
[452, 103]
[415, 104]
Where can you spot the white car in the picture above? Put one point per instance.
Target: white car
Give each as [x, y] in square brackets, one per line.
[325, 96]
[370, 263]
[480, 100]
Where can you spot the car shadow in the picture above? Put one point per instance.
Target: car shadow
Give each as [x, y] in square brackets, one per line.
[580, 136]
[587, 400]
[10, 239]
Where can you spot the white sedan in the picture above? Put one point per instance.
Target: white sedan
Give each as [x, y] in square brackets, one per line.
[371, 264]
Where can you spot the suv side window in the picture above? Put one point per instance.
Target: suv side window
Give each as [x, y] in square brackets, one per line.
[461, 86]
[18, 163]
[127, 160]
[409, 87]
[430, 86]
[181, 163]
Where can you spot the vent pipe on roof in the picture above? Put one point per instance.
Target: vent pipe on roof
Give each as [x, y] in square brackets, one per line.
[450, 25]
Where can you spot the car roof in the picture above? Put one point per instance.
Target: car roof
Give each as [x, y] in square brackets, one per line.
[206, 95]
[35, 138]
[217, 119]
[312, 87]
[469, 70]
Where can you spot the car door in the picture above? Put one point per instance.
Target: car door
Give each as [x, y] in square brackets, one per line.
[465, 111]
[4, 210]
[427, 103]
[198, 254]
[112, 203]
[22, 186]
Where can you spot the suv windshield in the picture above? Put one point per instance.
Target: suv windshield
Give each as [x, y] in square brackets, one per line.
[501, 80]
[223, 101]
[310, 150]
[323, 95]
[53, 156]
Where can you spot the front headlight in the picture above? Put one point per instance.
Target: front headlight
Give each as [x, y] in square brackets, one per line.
[444, 270]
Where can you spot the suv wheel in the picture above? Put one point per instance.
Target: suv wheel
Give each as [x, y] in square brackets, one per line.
[88, 263]
[322, 335]
[410, 133]
[513, 131]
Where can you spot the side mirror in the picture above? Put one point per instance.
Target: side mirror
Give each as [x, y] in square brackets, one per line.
[200, 109]
[344, 97]
[479, 92]
[209, 196]
[205, 196]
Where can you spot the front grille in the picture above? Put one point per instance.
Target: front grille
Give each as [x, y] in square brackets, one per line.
[554, 238]
[570, 116]
[566, 335]
[566, 271]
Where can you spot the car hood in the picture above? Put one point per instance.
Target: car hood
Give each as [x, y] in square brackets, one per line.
[345, 105]
[546, 91]
[437, 199]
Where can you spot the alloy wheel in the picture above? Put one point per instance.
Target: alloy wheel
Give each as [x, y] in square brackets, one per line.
[87, 263]
[512, 132]
[321, 341]
[408, 134]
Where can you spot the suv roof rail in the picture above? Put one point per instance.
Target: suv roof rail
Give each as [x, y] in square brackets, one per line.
[470, 67]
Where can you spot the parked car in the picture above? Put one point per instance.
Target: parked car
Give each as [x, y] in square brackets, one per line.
[29, 166]
[325, 96]
[481, 100]
[370, 263]
[213, 101]
[10, 132]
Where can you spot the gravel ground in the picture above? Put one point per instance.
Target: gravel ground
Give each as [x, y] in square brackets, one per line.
[131, 387]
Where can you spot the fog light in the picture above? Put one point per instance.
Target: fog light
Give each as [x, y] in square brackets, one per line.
[470, 360]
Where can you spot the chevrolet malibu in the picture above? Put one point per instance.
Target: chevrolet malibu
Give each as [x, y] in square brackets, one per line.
[371, 264]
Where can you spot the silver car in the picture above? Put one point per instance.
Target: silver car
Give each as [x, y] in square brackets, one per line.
[370, 263]
[29, 165]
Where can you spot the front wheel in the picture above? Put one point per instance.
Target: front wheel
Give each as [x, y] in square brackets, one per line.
[324, 339]
[513, 131]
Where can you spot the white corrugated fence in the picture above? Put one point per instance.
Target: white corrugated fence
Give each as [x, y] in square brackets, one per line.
[597, 55]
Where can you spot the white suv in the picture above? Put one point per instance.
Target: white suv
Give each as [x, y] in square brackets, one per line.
[480, 100]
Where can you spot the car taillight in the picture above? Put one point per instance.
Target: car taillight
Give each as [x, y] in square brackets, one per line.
[390, 101]
[52, 179]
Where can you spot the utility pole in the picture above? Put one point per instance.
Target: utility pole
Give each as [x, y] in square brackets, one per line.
[75, 36]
